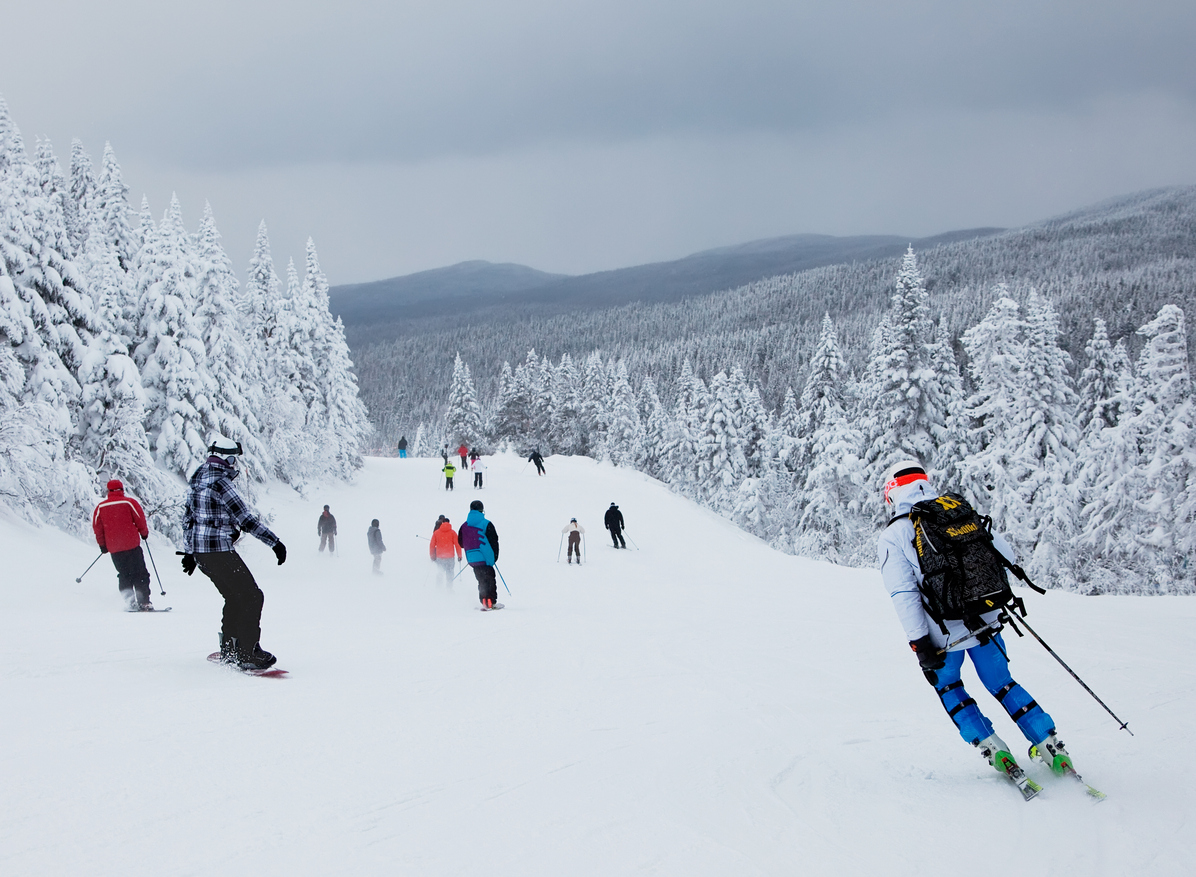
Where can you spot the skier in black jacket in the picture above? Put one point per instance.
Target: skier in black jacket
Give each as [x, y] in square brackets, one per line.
[614, 523]
[538, 460]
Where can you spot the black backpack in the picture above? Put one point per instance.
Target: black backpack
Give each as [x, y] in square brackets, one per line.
[964, 575]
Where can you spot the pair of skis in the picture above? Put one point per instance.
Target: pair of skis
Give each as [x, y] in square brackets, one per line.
[1029, 789]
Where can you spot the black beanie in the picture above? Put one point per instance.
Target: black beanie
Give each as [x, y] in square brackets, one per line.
[475, 506]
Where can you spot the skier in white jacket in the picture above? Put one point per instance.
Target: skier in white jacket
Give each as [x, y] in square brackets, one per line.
[905, 484]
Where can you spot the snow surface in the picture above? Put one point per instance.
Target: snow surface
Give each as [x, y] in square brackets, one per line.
[701, 705]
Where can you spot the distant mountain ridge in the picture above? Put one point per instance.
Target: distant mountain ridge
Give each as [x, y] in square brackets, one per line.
[1120, 260]
[378, 310]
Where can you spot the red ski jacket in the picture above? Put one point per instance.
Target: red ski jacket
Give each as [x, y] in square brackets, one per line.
[444, 543]
[118, 522]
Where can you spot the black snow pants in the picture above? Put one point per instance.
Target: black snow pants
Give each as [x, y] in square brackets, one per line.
[131, 575]
[487, 583]
[574, 546]
[243, 599]
[617, 537]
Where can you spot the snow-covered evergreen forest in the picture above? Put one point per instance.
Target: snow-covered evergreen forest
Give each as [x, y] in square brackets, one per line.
[1088, 467]
[1121, 261]
[126, 342]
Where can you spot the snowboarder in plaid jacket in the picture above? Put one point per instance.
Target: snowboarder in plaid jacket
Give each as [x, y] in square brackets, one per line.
[215, 517]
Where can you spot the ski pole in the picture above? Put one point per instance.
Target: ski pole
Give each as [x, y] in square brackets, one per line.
[632, 541]
[155, 566]
[558, 548]
[1022, 621]
[89, 566]
[458, 575]
[524, 469]
[504, 581]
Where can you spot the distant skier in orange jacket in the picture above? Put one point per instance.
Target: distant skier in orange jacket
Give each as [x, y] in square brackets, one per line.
[441, 549]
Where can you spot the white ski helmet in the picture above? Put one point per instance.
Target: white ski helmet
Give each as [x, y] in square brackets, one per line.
[900, 474]
[223, 447]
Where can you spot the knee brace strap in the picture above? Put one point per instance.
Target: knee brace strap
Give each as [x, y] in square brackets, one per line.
[963, 704]
[1000, 695]
[1017, 714]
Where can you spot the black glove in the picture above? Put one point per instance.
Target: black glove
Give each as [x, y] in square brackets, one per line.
[188, 563]
[103, 551]
[930, 656]
[280, 551]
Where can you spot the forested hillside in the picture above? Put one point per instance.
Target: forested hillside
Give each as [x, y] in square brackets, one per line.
[999, 372]
[1121, 261]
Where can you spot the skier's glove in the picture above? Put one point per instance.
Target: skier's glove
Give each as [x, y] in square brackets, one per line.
[188, 563]
[929, 655]
[103, 551]
[280, 551]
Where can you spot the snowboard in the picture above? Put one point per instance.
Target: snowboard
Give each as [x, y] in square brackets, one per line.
[269, 672]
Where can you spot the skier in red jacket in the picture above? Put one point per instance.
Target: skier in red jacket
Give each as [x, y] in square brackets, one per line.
[119, 524]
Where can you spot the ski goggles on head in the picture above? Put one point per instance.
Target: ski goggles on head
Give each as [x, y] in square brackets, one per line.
[904, 477]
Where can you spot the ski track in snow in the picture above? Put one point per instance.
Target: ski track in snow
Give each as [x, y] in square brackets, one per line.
[701, 706]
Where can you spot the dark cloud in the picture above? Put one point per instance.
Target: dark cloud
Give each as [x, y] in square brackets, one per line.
[633, 129]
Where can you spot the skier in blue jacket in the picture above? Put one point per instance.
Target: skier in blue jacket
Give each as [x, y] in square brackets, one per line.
[480, 541]
[905, 484]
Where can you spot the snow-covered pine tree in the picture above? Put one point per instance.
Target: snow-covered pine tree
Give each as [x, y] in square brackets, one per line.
[721, 465]
[463, 415]
[112, 209]
[1045, 436]
[624, 430]
[833, 524]
[220, 325]
[278, 402]
[346, 421]
[55, 201]
[909, 412]
[567, 431]
[997, 361]
[46, 321]
[112, 431]
[657, 423]
[1142, 512]
[82, 192]
[595, 400]
[170, 354]
[1099, 384]
[680, 458]
[510, 412]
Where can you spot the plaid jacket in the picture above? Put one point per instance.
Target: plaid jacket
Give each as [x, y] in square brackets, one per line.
[215, 510]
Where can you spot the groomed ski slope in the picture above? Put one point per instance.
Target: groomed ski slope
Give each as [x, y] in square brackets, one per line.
[701, 706]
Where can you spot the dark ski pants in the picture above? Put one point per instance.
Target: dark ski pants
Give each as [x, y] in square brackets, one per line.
[617, 537]
[463, 463]
[477, 479]
[992, 666]
[539, 467]
[243, 599]
[328, 539]
[487, 583]
[574, 547]
[132, 577]
[448, 484]
[377, 563]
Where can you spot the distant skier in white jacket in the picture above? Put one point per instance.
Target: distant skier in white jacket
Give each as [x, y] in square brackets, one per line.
[905, 484]
[574, 531]
[478, 468]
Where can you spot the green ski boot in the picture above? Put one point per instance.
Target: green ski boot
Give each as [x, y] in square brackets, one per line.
[1053, 754]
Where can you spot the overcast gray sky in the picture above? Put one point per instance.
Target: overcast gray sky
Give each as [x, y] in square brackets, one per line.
[574, 135]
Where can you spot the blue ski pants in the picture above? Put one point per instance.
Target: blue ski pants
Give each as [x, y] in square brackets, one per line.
[992, 666]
